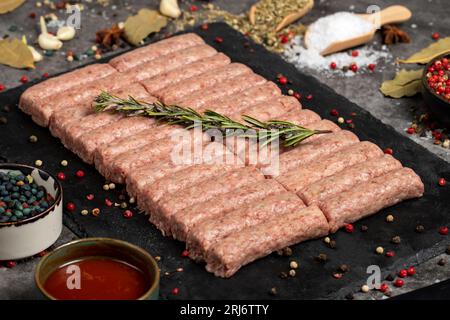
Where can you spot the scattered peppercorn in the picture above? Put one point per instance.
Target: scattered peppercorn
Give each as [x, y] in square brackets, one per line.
[322, 257]
[396, 240]
[273, 291]
[218, 39]
[283, 275]
[293, 265]
[2, 87]
[128, 214]
[105, 187]
[410, 130]
[390, 254]
[383, 287]
[443, 230]
[365, 288]
[411, 271]
[24, 79]
[334, 113]
[390, 277]
[79, 173]
[390, 218]
[354, 67]
[355, 53]
[292, 273]
[112, 186]
[340, 120]
[204, 27]
[90, 197]
[64, 163]
[349, 228]
[70, 206]
[399, 283]
[379, 250]
[364, 228]
[442, 182]
[388, 151]
[84, 212]
[96, 212]
[282, 80]
[180, 269]
[343, 268]
[333, 65]
[371, 67]
[38, 163]
[350, 296]
[61, 176]
[332, 244]
[185, 254]
[11, 264]
[309, 97]
[442, 262]
[327, 240]
[420, 228]
[435, 35]
[175, 291]
[33, 139]
[403, 273]
[337, 275]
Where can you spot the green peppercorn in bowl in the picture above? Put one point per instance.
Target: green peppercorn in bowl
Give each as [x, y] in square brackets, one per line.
[436, 88]
[30, 211]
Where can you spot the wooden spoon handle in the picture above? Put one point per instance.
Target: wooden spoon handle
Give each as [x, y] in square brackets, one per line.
[392, 14]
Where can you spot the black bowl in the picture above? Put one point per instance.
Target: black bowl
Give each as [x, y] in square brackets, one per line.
[437, 105]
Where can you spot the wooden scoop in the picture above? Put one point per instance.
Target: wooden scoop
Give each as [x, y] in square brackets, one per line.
[287, 20]
[392, 14]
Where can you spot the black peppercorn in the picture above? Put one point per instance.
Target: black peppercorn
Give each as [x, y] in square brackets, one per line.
[396, 240]
[283, 275]
[442, 262]
[390, 277]
[349, 296]
[420, 228]
[332, 244]
[343, 268]
[322, 257]
[364, 228]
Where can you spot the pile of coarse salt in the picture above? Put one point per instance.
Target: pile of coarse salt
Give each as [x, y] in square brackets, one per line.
[336, 27]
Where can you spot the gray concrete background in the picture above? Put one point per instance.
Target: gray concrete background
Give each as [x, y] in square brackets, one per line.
[428, 16]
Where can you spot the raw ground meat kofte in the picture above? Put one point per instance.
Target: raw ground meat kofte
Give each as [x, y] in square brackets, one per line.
[170, 204]
[46, 89]
[242, 247]
[155, 50]
[370, 197]
[182, 223]
[170, 78]
[207, 232]
[66, 125]
[174, 94]
[324, 189]
[325, 166]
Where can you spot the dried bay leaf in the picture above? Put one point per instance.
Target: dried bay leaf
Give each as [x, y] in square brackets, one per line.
[10, 5]
[405, 84]
[138, 27]
[430, 52]
[15, 53]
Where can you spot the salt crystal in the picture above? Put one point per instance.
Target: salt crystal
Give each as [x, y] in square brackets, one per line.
[336, 27]
[304, 58]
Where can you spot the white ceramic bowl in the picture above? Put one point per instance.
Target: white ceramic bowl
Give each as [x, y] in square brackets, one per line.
[30, 236]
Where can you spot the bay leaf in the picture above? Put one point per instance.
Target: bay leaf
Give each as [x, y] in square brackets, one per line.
[432, 51]
[138, 27]
[15, 53]
[405, 84]
[10, 5]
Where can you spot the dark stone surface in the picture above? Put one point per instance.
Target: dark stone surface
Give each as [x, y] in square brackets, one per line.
[254, 281]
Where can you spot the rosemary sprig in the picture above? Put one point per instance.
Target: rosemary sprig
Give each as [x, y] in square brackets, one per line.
[290, 133]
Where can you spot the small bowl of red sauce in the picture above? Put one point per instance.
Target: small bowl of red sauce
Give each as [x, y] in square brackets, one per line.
[98, 269]
[436, 88]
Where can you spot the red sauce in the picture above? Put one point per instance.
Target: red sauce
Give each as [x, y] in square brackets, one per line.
[99, 279]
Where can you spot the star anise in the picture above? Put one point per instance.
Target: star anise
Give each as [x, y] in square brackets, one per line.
[109, 37]
[392, 34]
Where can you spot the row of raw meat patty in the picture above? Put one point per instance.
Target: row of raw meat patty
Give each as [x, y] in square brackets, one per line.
[229, 213]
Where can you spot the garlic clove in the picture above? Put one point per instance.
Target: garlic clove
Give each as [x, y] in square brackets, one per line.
[49, 42]
[36, 55]
[170, 8]
[65, 33]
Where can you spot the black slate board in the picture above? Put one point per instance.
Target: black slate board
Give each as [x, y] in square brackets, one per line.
[314, 280]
